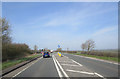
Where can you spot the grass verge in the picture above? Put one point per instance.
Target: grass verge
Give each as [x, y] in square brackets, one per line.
[115, 59]
[17, 61]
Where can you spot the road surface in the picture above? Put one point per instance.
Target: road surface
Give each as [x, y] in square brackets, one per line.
[101, 67]
[66, 66]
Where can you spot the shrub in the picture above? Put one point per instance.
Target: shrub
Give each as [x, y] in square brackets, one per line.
[13, 51]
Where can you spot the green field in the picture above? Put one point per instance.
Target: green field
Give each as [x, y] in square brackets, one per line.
[17, 61]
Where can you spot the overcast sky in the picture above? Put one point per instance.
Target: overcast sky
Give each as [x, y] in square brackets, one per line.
[68, 24]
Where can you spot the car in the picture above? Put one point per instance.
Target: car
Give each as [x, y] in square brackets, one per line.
[51, 51]
[46, 54]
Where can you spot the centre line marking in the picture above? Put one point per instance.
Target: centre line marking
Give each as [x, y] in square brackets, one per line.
[62, 69]
[58, 70]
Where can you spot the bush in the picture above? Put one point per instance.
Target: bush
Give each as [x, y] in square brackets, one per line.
[13, 51]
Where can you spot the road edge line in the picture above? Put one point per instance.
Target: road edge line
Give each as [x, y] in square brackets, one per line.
[58, 70]
[26, 68]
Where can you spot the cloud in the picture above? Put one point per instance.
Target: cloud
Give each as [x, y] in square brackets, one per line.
[104, 30]
[70, 17]
[69, 27]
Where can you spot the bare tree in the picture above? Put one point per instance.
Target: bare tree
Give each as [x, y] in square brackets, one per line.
[90, 44]
[83, 46]
[5, 31]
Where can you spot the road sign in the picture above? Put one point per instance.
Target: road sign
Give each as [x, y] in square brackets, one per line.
[58, 46]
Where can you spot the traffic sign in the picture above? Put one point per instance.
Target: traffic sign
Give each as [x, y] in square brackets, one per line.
[58, 46]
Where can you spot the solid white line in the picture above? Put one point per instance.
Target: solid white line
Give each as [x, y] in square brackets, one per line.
[80, 72]
[20, 71]
[69, 65]
[26, 68]
[58, 70]
[61, 68]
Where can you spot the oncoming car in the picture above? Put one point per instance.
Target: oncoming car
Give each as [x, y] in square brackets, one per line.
[46, 54]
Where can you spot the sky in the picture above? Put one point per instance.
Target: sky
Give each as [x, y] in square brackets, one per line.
[68, 24]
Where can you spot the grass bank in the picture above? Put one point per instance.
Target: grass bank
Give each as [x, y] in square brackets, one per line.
[17, 61]
[115, 59]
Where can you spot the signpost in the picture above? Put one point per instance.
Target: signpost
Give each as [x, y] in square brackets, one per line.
[59, 53]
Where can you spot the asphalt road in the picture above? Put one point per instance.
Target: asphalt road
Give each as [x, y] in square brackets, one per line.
[101, 67]
[66, 66]
[43, 68]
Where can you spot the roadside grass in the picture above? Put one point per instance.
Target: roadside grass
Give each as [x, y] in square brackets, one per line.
[10, 63]
[115, 59]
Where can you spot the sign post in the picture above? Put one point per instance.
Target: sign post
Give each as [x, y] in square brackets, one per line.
[59, 53]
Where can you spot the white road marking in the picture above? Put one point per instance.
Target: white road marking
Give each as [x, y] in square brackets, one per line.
[80, 72]
[98, 59]
[77, 63]
[86, 73]
[58, 70]
[66, 61]
[94, 72]
[69, 65]
[65, 56]
[21, 71]
[26, 68]
[99, 75]
[61, 68]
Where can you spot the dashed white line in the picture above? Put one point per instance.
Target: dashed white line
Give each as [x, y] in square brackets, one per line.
[58, 70]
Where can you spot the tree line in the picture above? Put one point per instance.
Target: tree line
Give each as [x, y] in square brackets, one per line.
[11, 50]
